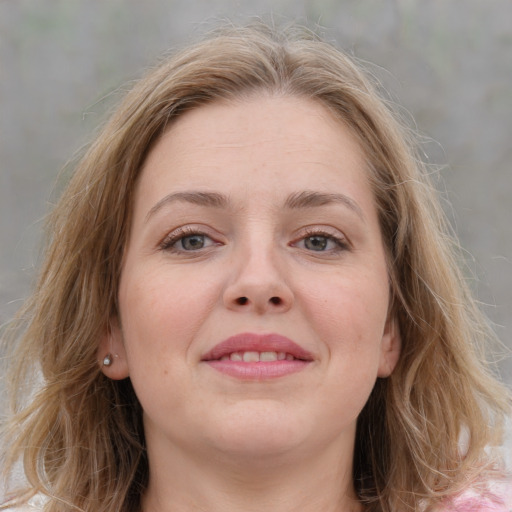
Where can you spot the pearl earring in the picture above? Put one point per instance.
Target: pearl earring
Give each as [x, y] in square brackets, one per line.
[108, 360]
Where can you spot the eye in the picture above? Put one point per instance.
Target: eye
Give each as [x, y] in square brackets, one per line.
[318, 243]
[322, 242]
[193, 242]
[186, 240]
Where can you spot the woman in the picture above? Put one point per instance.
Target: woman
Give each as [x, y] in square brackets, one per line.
[250, 301]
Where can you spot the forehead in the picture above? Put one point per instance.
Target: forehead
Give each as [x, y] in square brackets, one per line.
[293, 139]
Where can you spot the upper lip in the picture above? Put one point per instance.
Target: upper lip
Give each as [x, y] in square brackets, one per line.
[248, 342]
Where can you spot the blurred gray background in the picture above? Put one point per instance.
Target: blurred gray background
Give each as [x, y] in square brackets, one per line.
[448, 62]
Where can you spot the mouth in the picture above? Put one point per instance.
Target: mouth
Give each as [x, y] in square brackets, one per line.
[251, 356]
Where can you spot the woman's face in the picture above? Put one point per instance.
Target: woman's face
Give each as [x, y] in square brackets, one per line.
[254, 290]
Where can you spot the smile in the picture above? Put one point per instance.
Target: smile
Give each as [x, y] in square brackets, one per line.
[254, 357]
[249, 356]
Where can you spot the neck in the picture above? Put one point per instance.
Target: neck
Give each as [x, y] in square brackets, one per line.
[322, 482]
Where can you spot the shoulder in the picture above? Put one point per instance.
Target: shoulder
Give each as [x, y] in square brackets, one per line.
[494, 497]
[35, 504]
[26, 507]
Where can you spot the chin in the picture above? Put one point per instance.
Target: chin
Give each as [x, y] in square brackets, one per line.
[259, 431]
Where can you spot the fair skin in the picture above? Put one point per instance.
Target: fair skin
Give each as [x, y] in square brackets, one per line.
[256, 218]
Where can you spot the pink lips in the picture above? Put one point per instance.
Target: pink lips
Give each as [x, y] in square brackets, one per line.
[235, 356]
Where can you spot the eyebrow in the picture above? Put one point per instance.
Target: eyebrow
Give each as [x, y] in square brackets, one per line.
[312, 199]
[296, 201]
[209, 199]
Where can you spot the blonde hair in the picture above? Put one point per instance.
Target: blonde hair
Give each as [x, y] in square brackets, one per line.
[80, 435]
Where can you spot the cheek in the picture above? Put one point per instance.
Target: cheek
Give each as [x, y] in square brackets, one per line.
[351, 324]
[351, 309]
[161, 311]
[349, 315]
[161, 314]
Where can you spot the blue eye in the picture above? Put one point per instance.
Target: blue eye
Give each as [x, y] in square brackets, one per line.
[322, 242]
[186, 240]
[317, 243]
[192, 242]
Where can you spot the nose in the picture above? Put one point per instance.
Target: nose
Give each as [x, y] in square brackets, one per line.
[258, 284]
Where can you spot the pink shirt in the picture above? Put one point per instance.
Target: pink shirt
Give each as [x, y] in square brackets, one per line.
[496, 498]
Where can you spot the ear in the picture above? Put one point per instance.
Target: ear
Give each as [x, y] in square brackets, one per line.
[391, 345]
[112, 344]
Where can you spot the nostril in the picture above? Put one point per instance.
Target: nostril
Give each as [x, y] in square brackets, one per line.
[243, 301]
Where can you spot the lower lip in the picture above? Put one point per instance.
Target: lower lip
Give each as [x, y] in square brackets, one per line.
[259, 370]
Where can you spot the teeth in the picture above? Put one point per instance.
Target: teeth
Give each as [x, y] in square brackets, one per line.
[254, 357]
[251, 357]
[268, 356]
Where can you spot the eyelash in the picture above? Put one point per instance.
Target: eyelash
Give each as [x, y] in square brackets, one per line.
[173, 238]
[342, 243]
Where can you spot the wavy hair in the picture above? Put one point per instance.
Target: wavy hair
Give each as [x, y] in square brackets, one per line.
[79, 435]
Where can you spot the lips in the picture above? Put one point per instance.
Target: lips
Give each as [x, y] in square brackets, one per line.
[258, 356]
